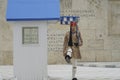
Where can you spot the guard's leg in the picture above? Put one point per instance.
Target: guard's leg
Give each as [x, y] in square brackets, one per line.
[74, 69]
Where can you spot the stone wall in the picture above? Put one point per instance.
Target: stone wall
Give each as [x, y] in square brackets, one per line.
[99, 25]
[6, 38]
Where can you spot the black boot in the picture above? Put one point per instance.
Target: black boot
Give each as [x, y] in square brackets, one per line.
[74, 79]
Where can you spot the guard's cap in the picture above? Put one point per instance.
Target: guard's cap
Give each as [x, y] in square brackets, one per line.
[73, 23]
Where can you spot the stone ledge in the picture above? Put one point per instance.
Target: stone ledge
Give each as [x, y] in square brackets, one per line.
[100, 64]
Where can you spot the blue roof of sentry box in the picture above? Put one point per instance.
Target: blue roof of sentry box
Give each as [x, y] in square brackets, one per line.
[19, 10]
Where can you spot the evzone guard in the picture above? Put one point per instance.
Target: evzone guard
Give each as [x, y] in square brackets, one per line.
[71, 47]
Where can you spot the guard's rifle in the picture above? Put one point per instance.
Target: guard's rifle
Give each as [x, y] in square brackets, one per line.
[77, 31]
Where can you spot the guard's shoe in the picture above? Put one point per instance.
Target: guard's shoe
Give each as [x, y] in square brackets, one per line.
[74, 79]
[67, 58]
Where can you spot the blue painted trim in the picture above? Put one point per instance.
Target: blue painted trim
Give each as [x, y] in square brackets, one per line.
[33, 19]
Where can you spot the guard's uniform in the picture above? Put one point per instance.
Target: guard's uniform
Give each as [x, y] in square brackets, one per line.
[75, 49]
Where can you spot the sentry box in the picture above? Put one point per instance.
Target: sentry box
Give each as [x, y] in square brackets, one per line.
[30, 19]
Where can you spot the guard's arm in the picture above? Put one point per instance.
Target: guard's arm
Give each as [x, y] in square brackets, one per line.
[81, 40]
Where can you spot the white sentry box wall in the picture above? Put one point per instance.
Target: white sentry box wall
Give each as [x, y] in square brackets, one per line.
[30, 61]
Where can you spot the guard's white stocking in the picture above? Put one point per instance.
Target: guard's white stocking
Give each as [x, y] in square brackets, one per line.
[74, 67]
